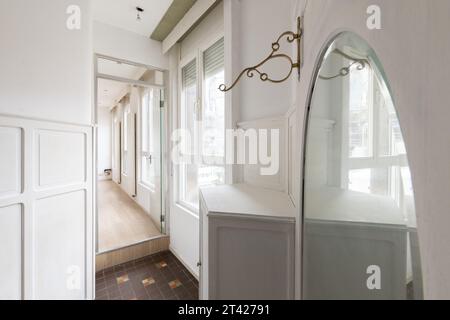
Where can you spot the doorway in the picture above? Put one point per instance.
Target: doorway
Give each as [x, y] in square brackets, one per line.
[130, 117]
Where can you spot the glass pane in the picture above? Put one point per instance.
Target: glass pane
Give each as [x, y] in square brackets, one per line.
[214, 117]
[210, 175]
[126, 133]
[390, 136]
[188, 122]
[189, 185]
[150, 119]
[360, 233]
[360, 111]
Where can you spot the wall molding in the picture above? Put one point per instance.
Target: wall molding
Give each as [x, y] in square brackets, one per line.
[51, 213]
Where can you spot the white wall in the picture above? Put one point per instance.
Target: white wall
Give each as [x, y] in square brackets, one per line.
[104, 139]
[118, 43]
[46, 69]
[261, 23]
[46, 194]
[413, 48]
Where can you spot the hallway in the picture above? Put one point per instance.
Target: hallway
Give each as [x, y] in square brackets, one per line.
[121, 221]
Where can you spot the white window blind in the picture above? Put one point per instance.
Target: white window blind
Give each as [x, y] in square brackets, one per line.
[213, 58]
[190, 74]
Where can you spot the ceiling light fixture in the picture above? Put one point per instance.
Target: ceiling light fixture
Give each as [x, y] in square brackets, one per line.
[139, 12]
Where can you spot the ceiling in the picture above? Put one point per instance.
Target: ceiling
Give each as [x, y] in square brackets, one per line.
[123, 14]
[110, 92]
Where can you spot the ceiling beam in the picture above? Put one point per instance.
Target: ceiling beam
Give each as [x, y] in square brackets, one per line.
[174, 14]
[190, 19]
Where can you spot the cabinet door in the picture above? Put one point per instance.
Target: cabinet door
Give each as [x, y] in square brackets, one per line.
[250, 259]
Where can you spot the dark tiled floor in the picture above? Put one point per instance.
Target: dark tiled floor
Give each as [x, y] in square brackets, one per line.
[157, 277]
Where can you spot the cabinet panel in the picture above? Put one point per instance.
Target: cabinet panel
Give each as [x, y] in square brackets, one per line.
[250, 260]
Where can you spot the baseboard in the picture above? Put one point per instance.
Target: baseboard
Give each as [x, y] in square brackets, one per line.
[171, 249]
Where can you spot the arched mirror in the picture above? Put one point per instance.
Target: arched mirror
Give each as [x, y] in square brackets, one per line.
[360, 234]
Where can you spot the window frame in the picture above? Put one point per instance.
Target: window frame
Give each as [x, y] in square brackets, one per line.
[376, 160]
[197, 55]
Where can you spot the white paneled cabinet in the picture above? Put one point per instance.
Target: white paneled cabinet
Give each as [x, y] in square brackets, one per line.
[247, 248]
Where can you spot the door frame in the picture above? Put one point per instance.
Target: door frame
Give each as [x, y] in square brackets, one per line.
[165, 170]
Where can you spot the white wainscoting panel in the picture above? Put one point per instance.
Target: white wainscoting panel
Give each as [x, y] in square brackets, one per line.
[61, 158]
[59, 257]
[10, 161]
[11, 252]
[46, 210]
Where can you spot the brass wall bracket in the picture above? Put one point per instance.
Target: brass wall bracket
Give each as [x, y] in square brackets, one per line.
[290, 37]
[359, 63]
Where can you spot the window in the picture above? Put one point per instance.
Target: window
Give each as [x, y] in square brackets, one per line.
[377, 155]
[150, 124]
[202, 114]
[213, 117]
[189, 171]
[360, 114]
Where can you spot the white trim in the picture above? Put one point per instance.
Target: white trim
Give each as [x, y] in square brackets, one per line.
[132, 63]
[128, 81]
[82, 125]
[174, 252]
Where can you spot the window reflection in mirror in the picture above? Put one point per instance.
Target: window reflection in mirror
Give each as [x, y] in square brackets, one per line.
[360, 233]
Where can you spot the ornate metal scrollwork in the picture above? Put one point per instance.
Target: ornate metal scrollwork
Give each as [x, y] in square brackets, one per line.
[290, 37]
[360, 64]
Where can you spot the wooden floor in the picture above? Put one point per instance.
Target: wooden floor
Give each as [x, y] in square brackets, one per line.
[121, 221]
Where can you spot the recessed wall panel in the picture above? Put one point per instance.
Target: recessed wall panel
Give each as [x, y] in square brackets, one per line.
[61, 158]
[11, 252]
[60, 246]
[10, 161]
